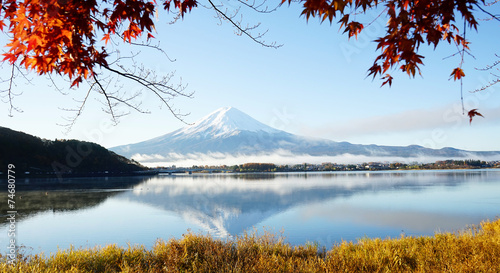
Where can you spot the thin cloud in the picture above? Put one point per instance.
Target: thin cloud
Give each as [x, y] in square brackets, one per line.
[449, 116]
[278, 157]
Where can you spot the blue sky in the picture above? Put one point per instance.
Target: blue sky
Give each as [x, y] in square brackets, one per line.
[314, 85]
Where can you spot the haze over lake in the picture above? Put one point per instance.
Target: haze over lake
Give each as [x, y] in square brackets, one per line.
[323, 208]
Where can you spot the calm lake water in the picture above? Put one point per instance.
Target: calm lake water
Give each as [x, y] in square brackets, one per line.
[324, 208]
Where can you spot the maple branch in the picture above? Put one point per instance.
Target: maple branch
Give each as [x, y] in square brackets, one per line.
[126, 57]
[110, 106]
[493, 16]
[489, 67]
[242, 30]
[377, 17]
[60, 90]
[257, 7]
[78, 111]
[161, 88]
[153, 85]
[488, 85]
[126, 102]
[157, 47]
[493, 82]
[148, 45]
[10, 93]
[113, 99]
[458, 53]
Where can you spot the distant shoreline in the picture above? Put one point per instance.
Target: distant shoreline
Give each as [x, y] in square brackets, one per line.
[83, 175]
[367, 166]
[267, 168]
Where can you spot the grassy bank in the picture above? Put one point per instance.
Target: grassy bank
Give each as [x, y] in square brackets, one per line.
[475, 249]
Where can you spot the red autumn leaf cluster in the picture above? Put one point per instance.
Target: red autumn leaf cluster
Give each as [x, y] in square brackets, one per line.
[410, 24]
[182, 6]
[62, 36]
[472, 113]
[457, 73]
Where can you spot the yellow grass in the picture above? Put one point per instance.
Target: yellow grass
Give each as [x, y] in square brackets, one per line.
[475, 249]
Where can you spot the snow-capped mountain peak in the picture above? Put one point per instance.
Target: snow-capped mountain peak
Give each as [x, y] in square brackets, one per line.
[229, 133]
[226, 121]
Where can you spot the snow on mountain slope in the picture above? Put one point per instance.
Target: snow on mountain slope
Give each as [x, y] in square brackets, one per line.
[228, 132]
[224, 122]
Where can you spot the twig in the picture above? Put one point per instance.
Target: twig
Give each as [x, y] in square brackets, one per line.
[244, 31]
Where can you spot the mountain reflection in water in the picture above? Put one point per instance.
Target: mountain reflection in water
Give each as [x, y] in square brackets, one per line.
[230, 204]
[318, 207]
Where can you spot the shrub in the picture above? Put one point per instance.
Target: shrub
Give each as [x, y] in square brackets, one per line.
[476, 249]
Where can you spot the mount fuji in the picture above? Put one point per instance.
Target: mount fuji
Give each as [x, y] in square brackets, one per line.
[228, 132]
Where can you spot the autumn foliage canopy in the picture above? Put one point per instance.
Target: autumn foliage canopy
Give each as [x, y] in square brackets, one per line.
[69, 37]
[61, 36]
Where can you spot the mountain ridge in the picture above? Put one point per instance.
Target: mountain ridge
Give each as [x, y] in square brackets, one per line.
[36, 156]
[230, 132]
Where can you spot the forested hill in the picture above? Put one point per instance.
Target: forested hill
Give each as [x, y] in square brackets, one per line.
[42, 157]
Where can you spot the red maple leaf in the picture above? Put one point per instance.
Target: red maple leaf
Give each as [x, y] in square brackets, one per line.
[472, 113]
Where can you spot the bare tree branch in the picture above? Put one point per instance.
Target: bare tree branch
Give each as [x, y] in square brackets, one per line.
[241, 29]
[10, 91]
[496, 76]
[115, 96]
[493, 16]
[78, 111]
[491, 3]
[489, 67]
[257, 8]
[155, 47]
[488, 85]
[110, 105]
[60, 90]
[160, 87]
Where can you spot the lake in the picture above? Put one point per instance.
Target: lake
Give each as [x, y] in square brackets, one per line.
[323, 208]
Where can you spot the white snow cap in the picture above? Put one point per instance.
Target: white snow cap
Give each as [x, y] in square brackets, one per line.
[226, 121]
